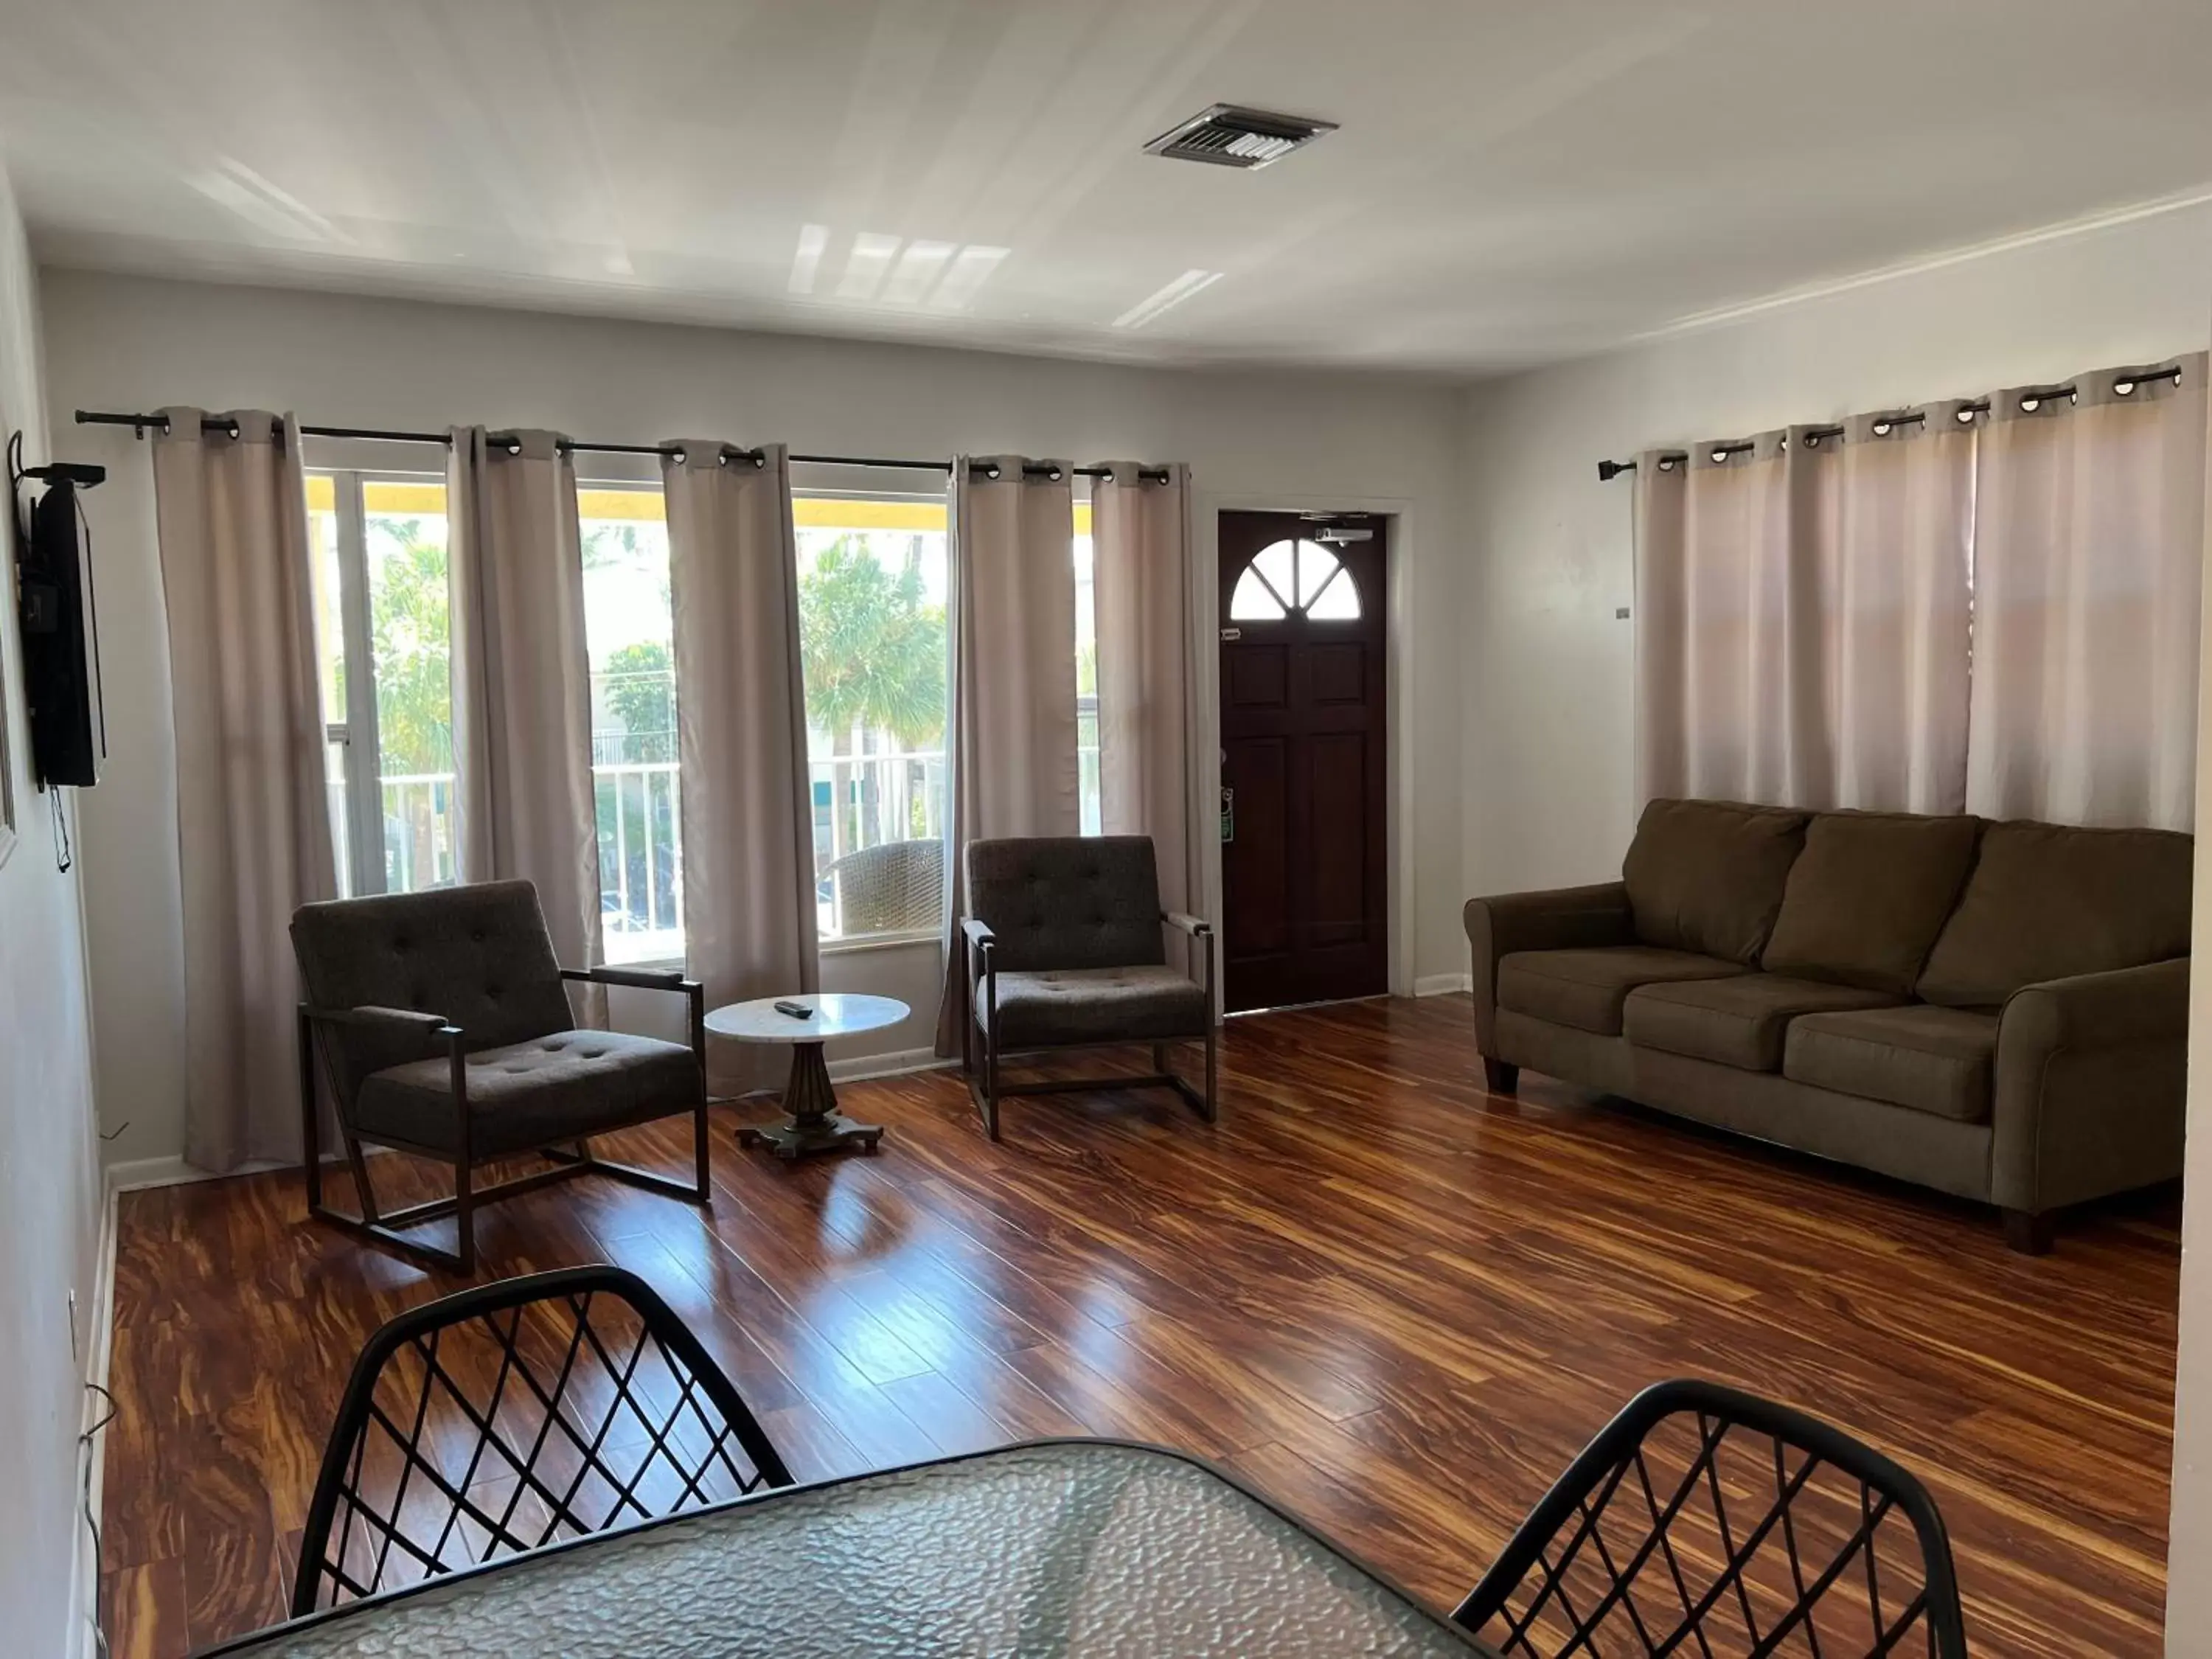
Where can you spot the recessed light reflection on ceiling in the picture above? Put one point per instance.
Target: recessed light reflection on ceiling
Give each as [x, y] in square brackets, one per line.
[881, 270]
[1190, 282]
[866, 266]
[812, 239]
[916, 272]
[971, 268]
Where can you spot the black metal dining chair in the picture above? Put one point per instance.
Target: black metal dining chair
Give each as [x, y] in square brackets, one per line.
[1704, 1520]
[514, 1415]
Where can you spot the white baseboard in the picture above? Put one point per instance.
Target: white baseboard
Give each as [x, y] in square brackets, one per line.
[129, 1176]
[92, 1456]
[1443, 985]
[858, 1068]
[136, 1174]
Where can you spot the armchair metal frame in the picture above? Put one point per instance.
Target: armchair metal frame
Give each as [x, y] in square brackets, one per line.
[985, 1087]
[570, 1157]
[1678, 1574]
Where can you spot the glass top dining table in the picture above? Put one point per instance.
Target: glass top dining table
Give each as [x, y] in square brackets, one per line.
[1079, 1549]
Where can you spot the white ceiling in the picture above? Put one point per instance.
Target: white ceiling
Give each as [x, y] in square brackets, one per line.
[1515, 180]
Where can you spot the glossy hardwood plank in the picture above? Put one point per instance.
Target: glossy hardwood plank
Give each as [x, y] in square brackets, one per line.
[1395, 1302]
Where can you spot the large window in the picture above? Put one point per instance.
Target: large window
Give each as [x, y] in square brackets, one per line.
[629, 634]
[380, 598]
[871, 617]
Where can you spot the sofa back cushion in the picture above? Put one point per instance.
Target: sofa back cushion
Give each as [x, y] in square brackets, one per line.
[2048, 900]
[1868, 897]
[1707, 876]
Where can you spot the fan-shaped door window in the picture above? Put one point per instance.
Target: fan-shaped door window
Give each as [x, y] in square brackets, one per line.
[1295, 579]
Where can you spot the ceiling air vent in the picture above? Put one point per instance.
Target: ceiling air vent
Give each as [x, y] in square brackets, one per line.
[1229, 136]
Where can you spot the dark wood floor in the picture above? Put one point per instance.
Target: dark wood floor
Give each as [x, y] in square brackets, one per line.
[1395, 1303]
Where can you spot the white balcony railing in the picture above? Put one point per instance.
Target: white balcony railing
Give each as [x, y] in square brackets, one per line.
[641, 820]
[641, 833]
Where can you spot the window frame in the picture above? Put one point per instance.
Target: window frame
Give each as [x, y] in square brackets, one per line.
[357, 735]
[842, 486]
[610, 475]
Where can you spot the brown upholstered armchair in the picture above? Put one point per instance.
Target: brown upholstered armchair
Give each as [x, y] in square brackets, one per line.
[1063, 947]
[444, 1026]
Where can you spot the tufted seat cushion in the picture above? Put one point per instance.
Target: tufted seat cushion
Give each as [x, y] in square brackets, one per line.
[1068, 901]
[1139, 1004]
[522, 1095]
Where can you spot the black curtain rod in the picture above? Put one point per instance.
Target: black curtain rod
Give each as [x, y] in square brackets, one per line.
[2123, 384]
[139, 423]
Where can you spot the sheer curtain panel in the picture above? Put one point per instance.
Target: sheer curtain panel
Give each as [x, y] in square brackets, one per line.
[1801, 604]
[522, 700]
[748, 914]
[1140, 542]
[1903, 606]
[2088, 558]
[1014, 767]
[253, 825]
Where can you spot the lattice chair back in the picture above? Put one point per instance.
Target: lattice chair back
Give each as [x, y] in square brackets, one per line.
[514, 1415]
[1704, 1521]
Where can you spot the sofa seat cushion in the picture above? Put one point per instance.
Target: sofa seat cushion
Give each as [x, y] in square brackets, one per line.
[1739, 1022]
[1868, 897]
[1585, 988]
[1707, 876]
[1096, 1005]
[525, 1095]
[2049, 901]
[1932, 1059]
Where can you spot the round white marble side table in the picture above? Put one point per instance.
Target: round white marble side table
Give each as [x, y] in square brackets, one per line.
[812, 1123]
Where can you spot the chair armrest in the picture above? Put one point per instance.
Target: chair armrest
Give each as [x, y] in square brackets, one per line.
[1557, 919]
[371, 1016]
[1196, 927]
[642, 979]
[2090, 1087]
[978, 932]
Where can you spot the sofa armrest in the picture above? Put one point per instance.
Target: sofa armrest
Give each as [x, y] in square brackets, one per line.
[1561, 918]
[2090, 1092]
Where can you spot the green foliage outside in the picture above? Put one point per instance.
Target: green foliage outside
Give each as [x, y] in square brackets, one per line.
[410, 639]
[641, 691]
[873, 655]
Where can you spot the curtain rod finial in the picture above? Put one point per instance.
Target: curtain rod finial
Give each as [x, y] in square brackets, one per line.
[1608, 470]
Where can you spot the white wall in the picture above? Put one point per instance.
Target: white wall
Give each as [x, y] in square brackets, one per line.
[1546, 767]
[49, 1182]
[126, 343]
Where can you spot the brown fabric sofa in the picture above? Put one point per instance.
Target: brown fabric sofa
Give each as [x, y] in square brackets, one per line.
[1996, 1010]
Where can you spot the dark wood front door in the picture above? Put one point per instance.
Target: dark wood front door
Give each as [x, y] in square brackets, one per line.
[1305, 795]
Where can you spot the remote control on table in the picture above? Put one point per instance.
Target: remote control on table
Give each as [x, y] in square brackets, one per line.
[796, 1009]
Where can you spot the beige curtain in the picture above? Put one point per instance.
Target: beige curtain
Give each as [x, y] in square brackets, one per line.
[522, 699]
[1903, 608]
[254, 827]
[1802, 606]
[1012, 723]
[1140, 542]
[2088, 555]
[749, 915]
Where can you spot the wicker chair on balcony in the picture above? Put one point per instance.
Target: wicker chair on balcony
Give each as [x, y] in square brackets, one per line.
[443, 1022]
[1065, 947]
[897, 887]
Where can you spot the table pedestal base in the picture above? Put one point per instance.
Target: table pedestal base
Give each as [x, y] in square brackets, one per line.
[815, 1124]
